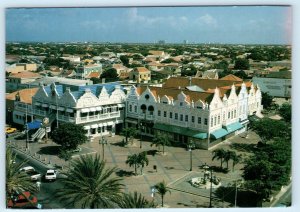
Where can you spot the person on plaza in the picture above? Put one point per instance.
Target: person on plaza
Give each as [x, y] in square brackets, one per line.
[38, 185]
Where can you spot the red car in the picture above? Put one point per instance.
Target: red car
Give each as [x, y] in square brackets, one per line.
[25, 200]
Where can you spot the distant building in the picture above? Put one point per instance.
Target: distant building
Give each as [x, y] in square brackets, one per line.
[140, 75]
[84, 71]
[277, 84]
[20, 80]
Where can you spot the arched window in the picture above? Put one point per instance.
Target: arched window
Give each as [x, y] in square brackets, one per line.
[151, 109]
[143, 108]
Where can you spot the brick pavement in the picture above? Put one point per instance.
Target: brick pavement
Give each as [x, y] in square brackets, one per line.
[171, 167]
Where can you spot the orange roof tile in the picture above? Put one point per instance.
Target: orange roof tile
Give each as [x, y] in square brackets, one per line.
[231, 77]
[93, 74]
[141, 69]
[25, 74]
[25, 95]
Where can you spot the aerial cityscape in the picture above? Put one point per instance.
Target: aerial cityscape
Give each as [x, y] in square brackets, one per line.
[148, 107]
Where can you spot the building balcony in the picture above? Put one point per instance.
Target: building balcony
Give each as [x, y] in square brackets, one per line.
[39, 112]
[98, 117]
[66, 118]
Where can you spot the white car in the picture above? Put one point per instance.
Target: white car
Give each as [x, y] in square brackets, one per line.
[50, 175]
[34, 175]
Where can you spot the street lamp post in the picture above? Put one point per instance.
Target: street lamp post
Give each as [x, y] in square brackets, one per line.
[190, 146]
[211, 177]
[141, 126]
[102, 141]
[210, 193]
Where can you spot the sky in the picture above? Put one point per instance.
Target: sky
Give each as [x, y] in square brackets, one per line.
[223, 24]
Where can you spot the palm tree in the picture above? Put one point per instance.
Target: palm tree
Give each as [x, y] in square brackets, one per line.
[228, 156]
[128, 132]
[162, 189]
[143, 160]
[16, 182]
[235, 159]
[135, 201]
[161, 140]
[219, 154]
[88, 184]
[133, 160]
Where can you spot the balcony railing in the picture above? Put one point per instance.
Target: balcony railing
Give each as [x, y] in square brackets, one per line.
[98, 117]
[66, 118]
[40, 112]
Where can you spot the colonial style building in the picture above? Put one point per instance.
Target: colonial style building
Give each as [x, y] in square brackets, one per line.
[208, 115]
[98, 108]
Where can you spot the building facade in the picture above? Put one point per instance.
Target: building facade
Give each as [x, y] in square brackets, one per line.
[98, 108]
[205, 117]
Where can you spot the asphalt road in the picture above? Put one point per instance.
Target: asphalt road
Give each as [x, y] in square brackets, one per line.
[47, 190]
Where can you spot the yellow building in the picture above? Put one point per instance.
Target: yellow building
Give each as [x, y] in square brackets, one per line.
[140, 74]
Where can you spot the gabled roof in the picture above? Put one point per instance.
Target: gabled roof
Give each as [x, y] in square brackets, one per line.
[172, 93]
[232, 78]
[205, 84]
[141, 69]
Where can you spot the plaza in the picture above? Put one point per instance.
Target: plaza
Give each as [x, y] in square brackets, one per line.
[173, 167]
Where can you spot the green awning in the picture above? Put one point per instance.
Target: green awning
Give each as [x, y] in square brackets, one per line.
[233, 127]
[219, 133]
[180, 130]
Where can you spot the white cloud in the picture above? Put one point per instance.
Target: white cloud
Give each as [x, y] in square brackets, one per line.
[208, 20]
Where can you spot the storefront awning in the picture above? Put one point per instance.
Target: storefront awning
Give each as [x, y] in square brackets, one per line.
[37, 103]
[52, 106]
[110, 123]
[94, 126]
[180, 130]
[92, 109]
[121, 105]
[98, 108]
[84, 110]
[34, 125]
[70, 110]
[219, 133]
[86, 127]
[45, 105]
[233, 127]
[61, 108]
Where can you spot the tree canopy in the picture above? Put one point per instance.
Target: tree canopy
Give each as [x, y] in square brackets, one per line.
[241, 64]
[286, 112]
[110, 74]
[69, 136]
[266, 100]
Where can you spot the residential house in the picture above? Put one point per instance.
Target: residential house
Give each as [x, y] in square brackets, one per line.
[20, 80]
[140, 75]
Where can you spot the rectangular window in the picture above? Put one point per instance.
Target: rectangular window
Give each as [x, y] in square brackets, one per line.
[229, 114]
[205, 121]
[211, 122]
[186, 118]
[165, 114]
[171, 115]
[158, 113]
[234, 113]
[181, 103]
[135, 108]
[219, 118]
[199, 120]
[176, 116]
[215, 120]
[130, 108]
[193, 119]
[181, 117]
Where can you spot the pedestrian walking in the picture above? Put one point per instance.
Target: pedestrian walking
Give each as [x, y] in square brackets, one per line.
[38, 185]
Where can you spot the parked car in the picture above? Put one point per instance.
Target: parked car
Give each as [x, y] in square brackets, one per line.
[34, 175]
[24, 200]
[50, 175]
[9, 130]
